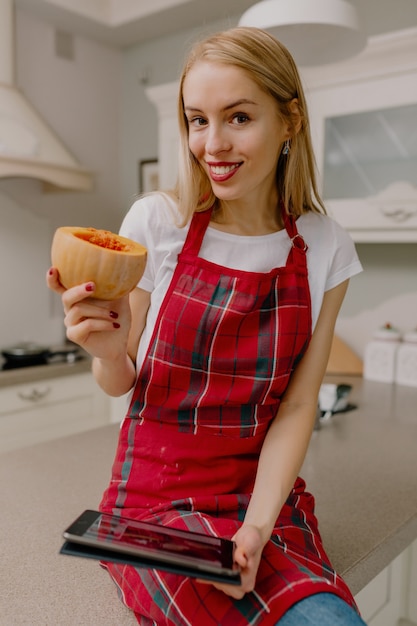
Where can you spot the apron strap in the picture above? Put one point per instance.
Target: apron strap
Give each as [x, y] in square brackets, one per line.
[201, 220]
[299, 246]
[196, 231]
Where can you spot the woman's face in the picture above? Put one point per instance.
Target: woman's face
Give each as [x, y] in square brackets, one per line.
[234, 132]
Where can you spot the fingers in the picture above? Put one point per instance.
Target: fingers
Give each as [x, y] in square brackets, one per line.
[234, 591]
[72, 295]
[52, 280]
[240, 558]
[100, 327]
[85, 315]
[81, 331]
[247, 554]
[69, 296]
[77, 296]
[249, 569]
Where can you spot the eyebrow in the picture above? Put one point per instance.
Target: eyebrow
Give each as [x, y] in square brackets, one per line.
[232, 105]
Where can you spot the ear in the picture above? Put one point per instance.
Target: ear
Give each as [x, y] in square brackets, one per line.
[296, 120]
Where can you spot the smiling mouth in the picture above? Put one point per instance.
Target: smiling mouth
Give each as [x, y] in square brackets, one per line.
[223, 171]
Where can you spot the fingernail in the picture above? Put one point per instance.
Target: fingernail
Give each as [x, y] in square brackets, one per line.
[89, 287]
[116, 325]
[51, 271]
[114, 315]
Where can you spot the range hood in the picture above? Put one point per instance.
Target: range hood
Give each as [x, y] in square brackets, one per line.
[29, 148]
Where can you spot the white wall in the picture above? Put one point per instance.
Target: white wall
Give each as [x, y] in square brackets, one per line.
[80, 100]
[25, 310]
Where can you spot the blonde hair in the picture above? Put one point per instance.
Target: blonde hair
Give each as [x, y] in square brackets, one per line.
[272, 68]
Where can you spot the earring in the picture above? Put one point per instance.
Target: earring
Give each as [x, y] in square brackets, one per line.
[286, 148]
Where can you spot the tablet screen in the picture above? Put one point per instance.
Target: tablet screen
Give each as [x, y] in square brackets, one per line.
[153, 541]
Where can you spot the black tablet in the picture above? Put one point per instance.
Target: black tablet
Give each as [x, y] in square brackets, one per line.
[142, 544]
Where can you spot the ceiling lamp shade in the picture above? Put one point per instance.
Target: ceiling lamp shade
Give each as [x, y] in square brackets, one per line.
[316, 32]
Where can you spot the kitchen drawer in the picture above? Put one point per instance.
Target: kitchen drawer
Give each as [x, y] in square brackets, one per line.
[41, 393]
[35, 412]
[382, 601]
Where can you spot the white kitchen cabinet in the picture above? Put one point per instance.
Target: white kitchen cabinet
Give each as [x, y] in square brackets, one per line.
[389, 599]
[165, 99]
[46, 409]
[411, 596]
[363, 118]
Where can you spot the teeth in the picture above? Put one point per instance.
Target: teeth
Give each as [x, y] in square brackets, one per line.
[221, 170]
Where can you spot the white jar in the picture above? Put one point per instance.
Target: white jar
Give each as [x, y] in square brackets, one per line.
[380, 357]
[406, 369]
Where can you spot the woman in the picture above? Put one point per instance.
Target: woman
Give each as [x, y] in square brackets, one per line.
[224, 344]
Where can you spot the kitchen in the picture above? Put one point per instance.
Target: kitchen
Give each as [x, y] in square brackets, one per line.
[86, 87]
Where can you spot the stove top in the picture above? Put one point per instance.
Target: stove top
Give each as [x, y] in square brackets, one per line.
[62, 355]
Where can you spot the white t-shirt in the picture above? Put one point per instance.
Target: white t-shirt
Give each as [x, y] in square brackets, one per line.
[152, 221]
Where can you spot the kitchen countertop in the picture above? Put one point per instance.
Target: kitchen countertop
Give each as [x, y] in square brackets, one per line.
[361, 467]
[36, 373]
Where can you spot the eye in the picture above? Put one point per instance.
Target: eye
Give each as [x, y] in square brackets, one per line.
[240, 118]
[197, 121]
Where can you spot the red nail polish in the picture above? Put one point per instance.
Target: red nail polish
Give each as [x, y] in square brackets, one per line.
[114, 315]
[89, 287]
[51, 271]
[116, 325]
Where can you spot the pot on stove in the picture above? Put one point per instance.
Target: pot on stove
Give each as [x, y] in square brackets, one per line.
[28, 353]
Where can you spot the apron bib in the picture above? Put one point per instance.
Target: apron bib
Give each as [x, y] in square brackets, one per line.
[223, 349]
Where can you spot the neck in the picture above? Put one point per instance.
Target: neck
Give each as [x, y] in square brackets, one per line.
[244, 220]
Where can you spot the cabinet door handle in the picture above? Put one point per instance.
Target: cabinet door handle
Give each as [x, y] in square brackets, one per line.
[34, 394]
[398, 214]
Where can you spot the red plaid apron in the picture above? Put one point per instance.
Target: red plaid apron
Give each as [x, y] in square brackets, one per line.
[223, 349]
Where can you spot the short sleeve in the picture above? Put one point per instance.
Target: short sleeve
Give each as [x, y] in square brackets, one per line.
[148, 221]
[136, 226]
[345, 262]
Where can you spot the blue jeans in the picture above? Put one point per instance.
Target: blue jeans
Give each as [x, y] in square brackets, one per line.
[321, 609]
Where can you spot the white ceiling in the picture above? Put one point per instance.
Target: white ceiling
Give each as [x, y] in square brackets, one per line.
[128, 22]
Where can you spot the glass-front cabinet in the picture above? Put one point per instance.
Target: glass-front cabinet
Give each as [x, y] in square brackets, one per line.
[364, 126]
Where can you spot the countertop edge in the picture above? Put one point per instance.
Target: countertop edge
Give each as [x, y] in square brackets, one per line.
[25, 375]
[359, 574]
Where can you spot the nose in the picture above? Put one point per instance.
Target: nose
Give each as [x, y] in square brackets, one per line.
[217, 139]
